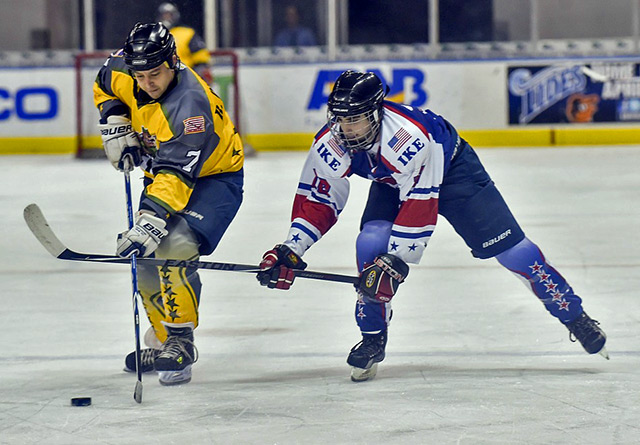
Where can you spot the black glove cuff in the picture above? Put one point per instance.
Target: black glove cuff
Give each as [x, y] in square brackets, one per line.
[289, 258]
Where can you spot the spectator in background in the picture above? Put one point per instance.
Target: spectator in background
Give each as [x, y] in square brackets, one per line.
[191, 48]
[294, 34]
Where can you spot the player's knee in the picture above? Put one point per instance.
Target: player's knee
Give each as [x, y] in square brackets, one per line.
[372, 241]
[181, 243]
[523, 253]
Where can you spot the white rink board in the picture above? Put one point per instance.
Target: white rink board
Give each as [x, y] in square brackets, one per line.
[280, 99]
[37, 102]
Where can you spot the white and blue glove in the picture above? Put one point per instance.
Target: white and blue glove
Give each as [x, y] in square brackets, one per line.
[145, 236]
[120, 142]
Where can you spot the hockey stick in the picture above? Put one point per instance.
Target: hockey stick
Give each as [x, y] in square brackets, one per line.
[137, 392]
[42, 231]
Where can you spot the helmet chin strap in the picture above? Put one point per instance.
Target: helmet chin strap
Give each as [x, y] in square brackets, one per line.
[374, 147]
[371, 149]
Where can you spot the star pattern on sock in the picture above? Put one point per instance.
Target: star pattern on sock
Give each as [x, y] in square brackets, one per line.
[550, 287]
[169, 294]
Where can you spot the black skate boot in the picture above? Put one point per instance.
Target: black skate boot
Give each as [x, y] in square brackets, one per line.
[178, 353]
[585, 330]
[147, 357]
[365, 356]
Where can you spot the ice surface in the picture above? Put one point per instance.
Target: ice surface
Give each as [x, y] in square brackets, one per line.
[473, 357]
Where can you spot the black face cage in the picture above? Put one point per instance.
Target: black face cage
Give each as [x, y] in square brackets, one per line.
[356, 132]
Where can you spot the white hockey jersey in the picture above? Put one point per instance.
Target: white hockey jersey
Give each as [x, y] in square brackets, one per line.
[413, 153]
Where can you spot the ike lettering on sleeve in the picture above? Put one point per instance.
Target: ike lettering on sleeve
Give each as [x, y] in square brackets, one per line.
[411, 151]
[327, 157]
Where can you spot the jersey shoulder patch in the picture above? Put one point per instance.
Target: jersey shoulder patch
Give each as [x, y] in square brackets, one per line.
[402, 141]
[195, 124]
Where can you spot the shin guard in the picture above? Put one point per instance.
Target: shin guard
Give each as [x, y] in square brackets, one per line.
[528, 263]
[373, 240]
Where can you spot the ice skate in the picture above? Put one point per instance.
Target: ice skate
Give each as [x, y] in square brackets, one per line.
[586, 330]
[365, 356]
[147, 357]
[178, 353]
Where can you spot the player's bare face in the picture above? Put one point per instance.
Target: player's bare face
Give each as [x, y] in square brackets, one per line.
[155, 81]
[355, 127]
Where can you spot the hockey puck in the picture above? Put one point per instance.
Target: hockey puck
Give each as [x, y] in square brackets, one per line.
[81, 401]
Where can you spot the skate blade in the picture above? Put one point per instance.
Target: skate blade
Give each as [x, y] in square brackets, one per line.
[603, 352]
[362, 375]
[144, 371]
[169, 378]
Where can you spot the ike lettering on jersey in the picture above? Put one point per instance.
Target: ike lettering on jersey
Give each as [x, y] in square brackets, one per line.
[327, 157]
[411, 151]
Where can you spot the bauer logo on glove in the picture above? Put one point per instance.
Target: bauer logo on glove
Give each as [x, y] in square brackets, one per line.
[153, 230]
[120, 142]
[145, 236]
[120, 129]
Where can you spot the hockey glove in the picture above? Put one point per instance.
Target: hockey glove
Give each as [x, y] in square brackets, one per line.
[380, 280]
[121, 144]
[278, 267]
[144, 237]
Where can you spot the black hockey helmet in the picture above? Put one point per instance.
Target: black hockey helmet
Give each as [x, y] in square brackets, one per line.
[356, 97]
[148, 46]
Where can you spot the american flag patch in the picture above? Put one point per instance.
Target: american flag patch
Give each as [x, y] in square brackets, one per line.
[399, 139]
[193, 125]
[336, 147]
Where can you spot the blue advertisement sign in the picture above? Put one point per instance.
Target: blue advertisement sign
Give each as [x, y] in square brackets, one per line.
[17, 103]
[574, 93]
[406, 85]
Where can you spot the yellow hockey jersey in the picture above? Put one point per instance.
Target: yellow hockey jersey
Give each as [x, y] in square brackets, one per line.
[190, 47]
[186, 133]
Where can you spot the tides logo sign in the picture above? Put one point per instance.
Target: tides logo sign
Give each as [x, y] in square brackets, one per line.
[406, 86]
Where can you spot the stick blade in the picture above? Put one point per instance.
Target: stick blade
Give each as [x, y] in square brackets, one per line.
[137, 392]
[40, 228]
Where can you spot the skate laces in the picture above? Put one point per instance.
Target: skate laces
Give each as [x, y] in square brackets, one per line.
[175, 346]
[370, 344]
[582, 327]
[148, 355]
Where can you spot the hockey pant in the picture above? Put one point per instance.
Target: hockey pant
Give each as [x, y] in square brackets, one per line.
[172, 294]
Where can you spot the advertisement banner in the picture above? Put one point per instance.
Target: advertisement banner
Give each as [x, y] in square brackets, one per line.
[567, 93]
[37, 102]
[292, 98]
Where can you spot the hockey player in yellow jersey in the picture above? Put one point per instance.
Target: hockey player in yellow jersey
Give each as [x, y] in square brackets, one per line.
[156, 113]
[191, 48]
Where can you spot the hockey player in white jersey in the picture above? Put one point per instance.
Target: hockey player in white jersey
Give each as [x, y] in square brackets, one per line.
[420, 168]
